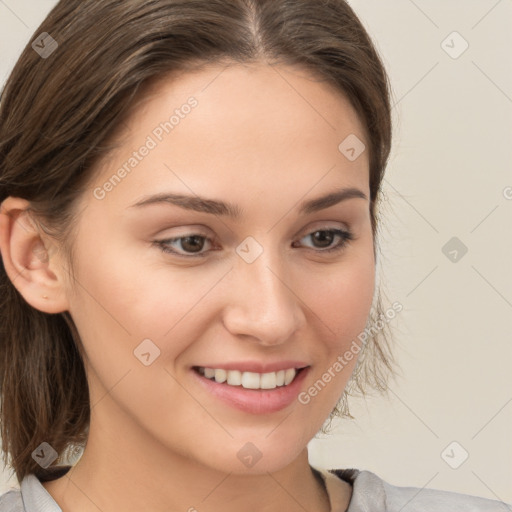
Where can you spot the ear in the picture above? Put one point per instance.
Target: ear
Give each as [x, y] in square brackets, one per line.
[26, 258]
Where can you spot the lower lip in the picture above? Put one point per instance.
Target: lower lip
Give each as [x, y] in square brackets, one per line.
[255, 401]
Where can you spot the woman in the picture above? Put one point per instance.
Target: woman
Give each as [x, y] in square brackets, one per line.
[188, 234]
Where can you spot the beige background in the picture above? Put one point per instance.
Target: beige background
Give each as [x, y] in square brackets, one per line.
[448, 177]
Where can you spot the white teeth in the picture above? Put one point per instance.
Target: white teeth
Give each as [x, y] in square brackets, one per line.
[209, 373]
[220, 375]
[289, 375]
[234, 378]
[250, 380]
[268, 380]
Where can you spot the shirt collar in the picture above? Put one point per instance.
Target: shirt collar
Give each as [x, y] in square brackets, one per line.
[367, 489]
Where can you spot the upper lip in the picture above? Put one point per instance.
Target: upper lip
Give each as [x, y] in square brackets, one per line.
[257, 366]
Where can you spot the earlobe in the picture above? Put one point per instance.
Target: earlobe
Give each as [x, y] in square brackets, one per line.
[37, 277]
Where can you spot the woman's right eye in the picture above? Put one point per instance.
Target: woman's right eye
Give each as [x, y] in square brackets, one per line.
[188, 242]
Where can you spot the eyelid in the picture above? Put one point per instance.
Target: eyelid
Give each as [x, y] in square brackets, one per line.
[324, 226]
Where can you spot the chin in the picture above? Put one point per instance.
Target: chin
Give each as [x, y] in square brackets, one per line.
[258, 454]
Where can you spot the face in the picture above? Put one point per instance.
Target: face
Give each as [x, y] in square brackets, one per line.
[170, 286]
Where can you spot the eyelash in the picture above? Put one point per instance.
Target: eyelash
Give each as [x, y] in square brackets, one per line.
[346, 237]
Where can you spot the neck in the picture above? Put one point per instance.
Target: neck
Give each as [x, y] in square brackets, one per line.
[126, 478]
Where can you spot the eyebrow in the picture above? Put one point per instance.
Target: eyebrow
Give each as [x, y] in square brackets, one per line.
[216, 207]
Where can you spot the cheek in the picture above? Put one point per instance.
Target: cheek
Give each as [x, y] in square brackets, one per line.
[129, 300]
[342, 300]
[127, 303]
[341, 295]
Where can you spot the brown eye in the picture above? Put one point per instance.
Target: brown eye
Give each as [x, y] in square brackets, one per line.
[320, 238]
[186, 246]
[323, 238]
[192, 243]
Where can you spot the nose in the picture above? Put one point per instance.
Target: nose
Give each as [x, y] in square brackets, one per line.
[262, 303]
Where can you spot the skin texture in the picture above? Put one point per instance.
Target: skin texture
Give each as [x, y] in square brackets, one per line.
[263, 137]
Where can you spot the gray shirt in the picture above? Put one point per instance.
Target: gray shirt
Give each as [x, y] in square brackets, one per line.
[369, 494]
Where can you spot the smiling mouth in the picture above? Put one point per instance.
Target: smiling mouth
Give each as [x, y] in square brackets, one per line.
[250, 380]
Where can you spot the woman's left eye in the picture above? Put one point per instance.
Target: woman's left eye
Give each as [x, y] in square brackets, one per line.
[195, 242]
[328, 235]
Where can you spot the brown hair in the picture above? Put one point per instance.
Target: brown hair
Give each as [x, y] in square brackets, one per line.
[56, 114]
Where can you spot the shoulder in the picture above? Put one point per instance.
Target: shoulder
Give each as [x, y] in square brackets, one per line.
[11, 501]
[369, 490]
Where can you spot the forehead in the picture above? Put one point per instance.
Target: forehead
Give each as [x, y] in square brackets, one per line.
[251, 126]
[246, 96]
